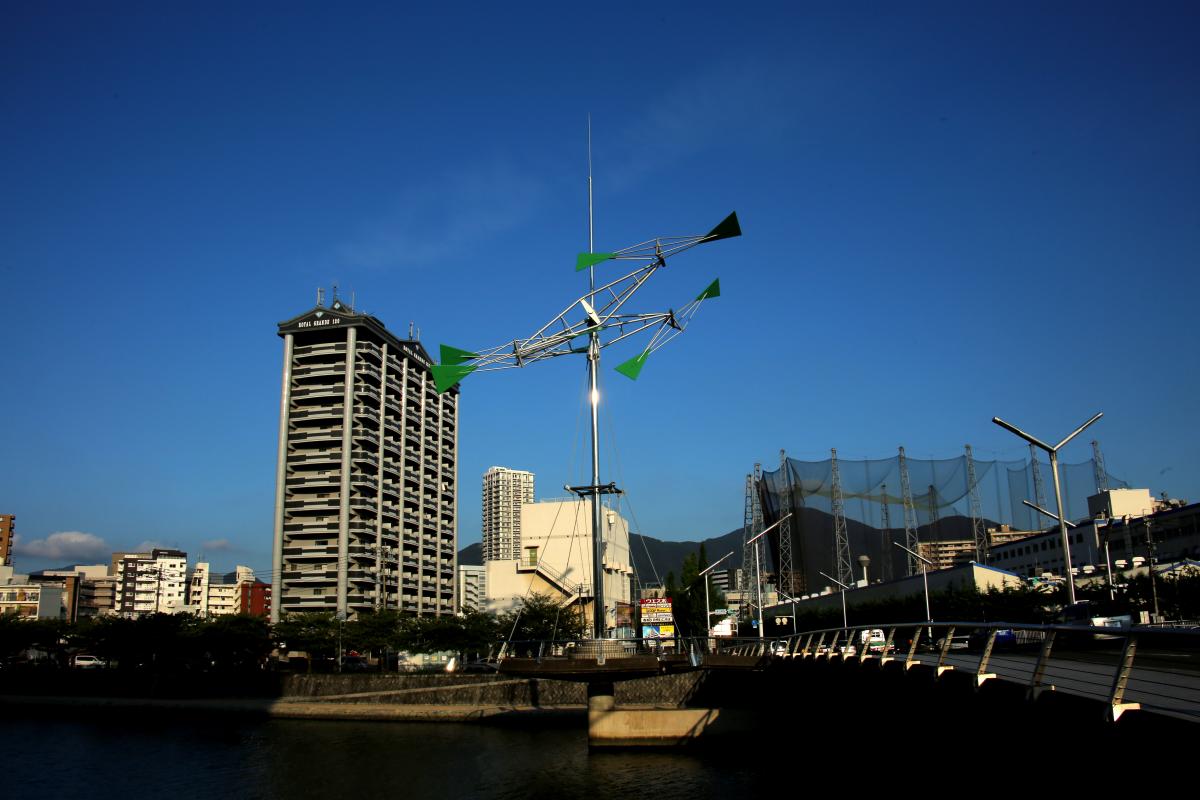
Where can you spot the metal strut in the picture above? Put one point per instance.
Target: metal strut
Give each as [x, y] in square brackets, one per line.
[910, 516]
[841, 540]
[787, 580]
[978, 529]
[885, 518]
[1039, 488]
[748, 533]
[1098, 464]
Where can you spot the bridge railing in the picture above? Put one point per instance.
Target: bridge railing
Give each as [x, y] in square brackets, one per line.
[1128, 668]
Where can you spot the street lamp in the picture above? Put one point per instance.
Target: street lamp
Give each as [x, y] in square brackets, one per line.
[758, 572]
[845, 619]
[924, 577]
[707, 612]
[1070, 570]
[1053, 451]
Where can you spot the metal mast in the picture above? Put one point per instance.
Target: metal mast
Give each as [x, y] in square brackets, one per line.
[786, 579]
[747, 534]
[885, 520]
[933, 513]
[1098, 464]
[910, 516]
[1039, 488]
[841, 540]
[977, 527]
[598, 620]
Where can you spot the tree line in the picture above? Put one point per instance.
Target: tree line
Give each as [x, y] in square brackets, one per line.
[183, 642]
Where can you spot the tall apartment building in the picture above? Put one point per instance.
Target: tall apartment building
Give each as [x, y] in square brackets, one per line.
[472, 587]
[366, 482]
[151, 582]
[504, 492]
[212, 595]
[7, 522]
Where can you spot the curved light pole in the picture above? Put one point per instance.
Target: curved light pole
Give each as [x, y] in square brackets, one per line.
[1062, 520]
[845, 618]
[925, 562]
[707, 612]
[758, 573]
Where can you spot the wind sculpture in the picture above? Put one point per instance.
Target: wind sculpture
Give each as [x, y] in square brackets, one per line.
[602, 317]
[603, 314]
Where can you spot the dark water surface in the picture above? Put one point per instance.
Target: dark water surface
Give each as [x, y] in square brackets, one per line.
[128, 757]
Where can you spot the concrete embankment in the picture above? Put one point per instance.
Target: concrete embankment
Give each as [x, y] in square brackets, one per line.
[394, 697]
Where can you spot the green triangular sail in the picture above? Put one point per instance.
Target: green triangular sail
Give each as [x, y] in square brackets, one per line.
[585, 260]
[728, 229]
[713, 290]
[633, 367]
[445, 376]
[452, 355]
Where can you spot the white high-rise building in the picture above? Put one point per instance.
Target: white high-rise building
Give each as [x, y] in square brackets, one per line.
[151, 582]
[472, 587]
[504, 492]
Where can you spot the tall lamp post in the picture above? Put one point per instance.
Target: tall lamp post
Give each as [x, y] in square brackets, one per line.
[1066, 553]
[845, 618]
[1053, 451]
[707, 611]
[758, 572]
[925, 562]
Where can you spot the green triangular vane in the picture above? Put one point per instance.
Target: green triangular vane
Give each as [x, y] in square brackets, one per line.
[452, 355]
[445, 376]
[713, 290]
[726, 230]
[633, 367]
[585, 260]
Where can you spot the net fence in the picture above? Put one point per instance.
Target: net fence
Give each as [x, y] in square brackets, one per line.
[941, 504]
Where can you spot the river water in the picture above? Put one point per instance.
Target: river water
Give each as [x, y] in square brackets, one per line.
[119, 756]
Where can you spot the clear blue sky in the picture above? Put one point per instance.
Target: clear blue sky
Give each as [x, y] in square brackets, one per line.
[919, 187]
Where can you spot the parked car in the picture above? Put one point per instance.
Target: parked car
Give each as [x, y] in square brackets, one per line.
[83, 661]
[1005, 639]
[957, 642]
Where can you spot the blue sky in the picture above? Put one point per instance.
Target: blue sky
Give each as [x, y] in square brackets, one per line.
[951, 211]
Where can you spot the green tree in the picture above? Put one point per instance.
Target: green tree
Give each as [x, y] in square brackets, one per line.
[237, 642]
[541, 618]
[313, 632]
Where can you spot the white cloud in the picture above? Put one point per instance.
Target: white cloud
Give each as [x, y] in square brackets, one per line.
[63, 546]
[148, 545]
[219, 545]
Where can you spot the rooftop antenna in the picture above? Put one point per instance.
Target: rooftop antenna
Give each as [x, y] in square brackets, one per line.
[410, 327]
[353, 295]
[335, 297]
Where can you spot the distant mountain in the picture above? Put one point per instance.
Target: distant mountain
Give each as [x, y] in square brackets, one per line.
[652, 555]
[471, 555]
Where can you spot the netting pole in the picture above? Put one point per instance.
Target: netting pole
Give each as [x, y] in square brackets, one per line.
[977, 526]
[885, 520]
[934, 519]
[747, 534]
[910, 515]
[841, 540]
[1039, 488]
[785, 530]
[1098, 465]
